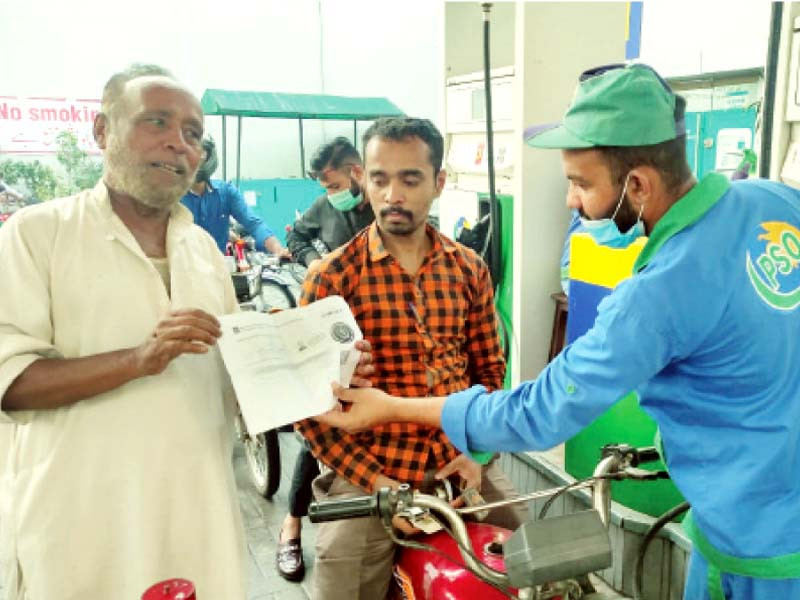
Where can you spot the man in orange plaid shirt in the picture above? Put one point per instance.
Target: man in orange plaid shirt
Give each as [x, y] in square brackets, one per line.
[426, 305]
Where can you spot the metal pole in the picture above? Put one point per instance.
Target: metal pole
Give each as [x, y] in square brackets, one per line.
[496, 262]
[355, 133]
[302, 151]
[238, 149]
[520, 499]
[224, 149]
[770, 79]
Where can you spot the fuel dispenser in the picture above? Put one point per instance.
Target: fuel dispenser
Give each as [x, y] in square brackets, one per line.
[476, 206]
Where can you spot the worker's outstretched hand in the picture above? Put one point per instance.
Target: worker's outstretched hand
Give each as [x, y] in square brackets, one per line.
[368, 407]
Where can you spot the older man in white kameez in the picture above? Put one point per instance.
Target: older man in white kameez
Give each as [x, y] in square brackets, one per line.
[111, 386]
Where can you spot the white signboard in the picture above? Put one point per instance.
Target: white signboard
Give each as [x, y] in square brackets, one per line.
[730, 144]
[723, 97]
[30, 125]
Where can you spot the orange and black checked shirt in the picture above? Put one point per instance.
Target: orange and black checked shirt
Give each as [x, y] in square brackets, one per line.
[432, 334]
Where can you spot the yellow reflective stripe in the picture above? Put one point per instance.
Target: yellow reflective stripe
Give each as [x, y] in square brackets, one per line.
[600, 265]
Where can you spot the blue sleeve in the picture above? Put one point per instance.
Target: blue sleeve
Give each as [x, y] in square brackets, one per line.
[625, 348]
[244, 216]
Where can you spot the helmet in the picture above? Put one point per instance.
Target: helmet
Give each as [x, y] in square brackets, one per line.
[209, 165]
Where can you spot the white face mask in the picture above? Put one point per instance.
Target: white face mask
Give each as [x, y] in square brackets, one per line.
[605, 231]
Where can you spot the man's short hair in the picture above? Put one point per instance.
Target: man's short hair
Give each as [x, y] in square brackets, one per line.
[402, 128]
[668, 158]
[112, 91]
[334, 155]
[208, 166]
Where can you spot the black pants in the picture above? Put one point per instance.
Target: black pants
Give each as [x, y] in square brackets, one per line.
[305, 470]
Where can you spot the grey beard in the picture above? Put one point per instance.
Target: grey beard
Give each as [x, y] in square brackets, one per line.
[158, 199]
[131, 180]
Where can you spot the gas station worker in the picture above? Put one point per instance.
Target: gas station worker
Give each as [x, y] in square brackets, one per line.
[706, 331]
[212, 203]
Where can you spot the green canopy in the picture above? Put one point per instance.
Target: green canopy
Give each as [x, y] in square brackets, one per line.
[296, 106]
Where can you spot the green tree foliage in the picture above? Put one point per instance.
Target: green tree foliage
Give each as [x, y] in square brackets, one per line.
[41, 181]
[31, 177]
[82, 171]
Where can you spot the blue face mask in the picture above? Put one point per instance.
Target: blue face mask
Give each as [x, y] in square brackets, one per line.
[344, 200]
[605, 231]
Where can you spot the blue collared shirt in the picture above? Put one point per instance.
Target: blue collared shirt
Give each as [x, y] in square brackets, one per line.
[212, 212]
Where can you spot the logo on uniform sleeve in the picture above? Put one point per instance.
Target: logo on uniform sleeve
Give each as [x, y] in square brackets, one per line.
[775, 272]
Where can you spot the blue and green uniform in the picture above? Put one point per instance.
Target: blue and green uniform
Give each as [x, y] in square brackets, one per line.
[708, 333]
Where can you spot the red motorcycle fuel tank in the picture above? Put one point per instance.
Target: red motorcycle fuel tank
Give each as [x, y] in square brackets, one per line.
[423, 575]
[171, 589]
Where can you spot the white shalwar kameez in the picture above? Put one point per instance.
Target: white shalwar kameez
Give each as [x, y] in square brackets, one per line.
[105, 497]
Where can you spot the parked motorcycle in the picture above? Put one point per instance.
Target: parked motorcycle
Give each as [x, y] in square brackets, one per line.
[548, 558]
[269, 284]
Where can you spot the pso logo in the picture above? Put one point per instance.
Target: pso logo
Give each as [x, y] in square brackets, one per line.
[775, 272]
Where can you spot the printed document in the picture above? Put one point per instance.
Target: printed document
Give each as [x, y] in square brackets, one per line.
[282, 364]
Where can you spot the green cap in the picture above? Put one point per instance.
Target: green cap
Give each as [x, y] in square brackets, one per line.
[615, 105]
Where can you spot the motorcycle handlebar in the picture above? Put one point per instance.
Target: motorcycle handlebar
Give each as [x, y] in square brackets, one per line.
[647, 454]
[616, 458]
[349, 508]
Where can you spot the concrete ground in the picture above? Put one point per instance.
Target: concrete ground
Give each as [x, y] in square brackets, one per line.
[262, 520]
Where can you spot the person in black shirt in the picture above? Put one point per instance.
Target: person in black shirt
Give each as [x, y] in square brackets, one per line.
[341, 212]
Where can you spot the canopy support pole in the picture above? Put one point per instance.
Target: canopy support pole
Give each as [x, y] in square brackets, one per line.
[224, 149]
[302, 151]
[238, 149]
